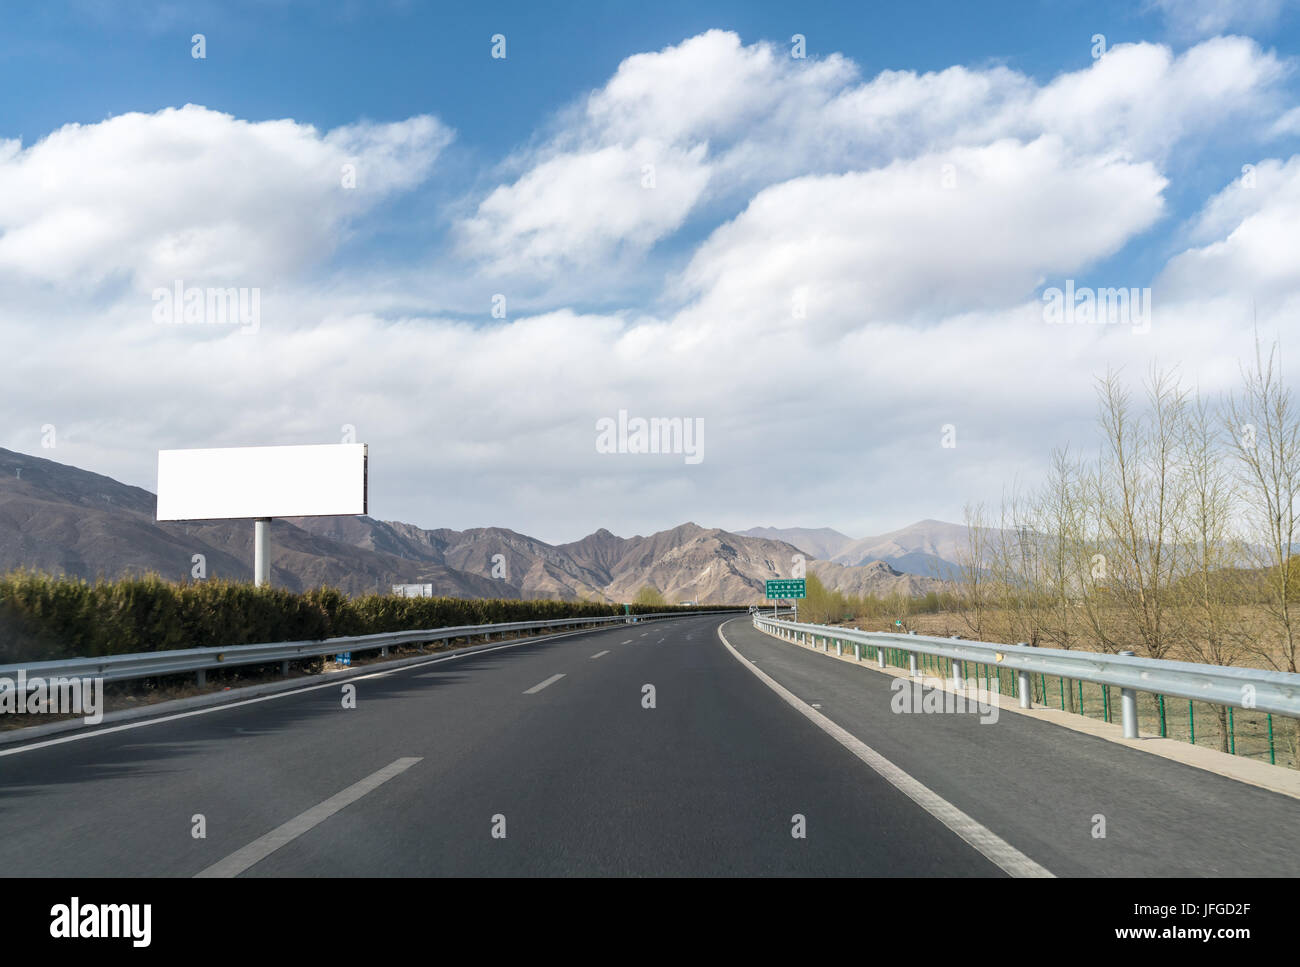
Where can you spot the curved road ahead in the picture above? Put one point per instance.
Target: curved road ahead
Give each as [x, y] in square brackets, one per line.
[551, 744]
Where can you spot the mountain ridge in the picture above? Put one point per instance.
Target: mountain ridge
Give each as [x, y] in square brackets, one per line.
[71, 521]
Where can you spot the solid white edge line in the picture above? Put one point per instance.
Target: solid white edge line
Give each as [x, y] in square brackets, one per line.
[262, 847]
[540, 685]
[992, 846]
[297, 691]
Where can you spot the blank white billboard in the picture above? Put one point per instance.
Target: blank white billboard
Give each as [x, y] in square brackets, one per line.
[243, 482]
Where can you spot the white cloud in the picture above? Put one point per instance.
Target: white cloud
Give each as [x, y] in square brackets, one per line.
[1249, 247]
[1287, 124]
[896, 245]
[575, 208]
[921, 299]
[721, 121]
[1200, 18]
[193, 193]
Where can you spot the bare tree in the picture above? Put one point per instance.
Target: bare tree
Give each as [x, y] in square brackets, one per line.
[973, 569]
[1264, 429]
[1060, 514]
[1141, 506]
[1210, 586]
[1018, 568]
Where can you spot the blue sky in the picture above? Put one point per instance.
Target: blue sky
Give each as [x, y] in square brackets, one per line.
[329, 63]
[776, 176]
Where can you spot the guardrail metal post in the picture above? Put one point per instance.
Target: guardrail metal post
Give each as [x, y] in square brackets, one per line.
[880, 656]
[857, 651]
[839, 646]
[958, 679]
[1026, 689]
[202, 676]
[284, 667]
[1129, 708]
[912, 656]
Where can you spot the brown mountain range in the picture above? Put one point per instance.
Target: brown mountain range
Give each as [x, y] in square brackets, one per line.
[62, 519]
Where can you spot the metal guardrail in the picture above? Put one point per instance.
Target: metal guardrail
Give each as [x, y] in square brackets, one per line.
[1273, 692]
[113, 668]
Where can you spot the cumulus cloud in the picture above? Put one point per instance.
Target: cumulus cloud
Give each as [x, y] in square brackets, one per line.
[575, 207]
[1248, 245]
[916, 215]
[720, 120]
[190, 192]
[1200, 18]
[970, 229]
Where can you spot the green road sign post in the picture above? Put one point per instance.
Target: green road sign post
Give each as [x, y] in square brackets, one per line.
[782, 590]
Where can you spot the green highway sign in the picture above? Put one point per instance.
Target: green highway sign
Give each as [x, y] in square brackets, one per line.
[786, 590]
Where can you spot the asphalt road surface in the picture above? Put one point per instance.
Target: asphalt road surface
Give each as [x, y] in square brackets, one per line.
[554, 758]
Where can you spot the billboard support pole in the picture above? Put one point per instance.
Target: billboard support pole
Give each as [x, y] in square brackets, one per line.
[262, 552]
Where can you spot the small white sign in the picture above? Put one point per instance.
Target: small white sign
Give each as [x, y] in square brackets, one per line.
[413, 590]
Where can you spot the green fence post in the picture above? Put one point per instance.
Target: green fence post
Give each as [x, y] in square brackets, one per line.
[1061, 685]
[1160, 701]
[1191, 721]
[1080, 696]
[1272, 758]
[1105, 702]
[1044, 682]
[1232, 734]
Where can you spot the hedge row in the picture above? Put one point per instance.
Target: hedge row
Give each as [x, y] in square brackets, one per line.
[44, 618]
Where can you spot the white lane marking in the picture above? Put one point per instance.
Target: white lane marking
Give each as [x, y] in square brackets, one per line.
[76, 737]
[645, 634]
[660, 641]
[262, 847]
[628, 642]
[983, 839]
[540, 685]
[599, 653]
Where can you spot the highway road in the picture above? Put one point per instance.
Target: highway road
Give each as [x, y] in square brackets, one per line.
[544, 759]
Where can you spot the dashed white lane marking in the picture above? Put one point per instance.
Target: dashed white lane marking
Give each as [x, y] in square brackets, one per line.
[540, 685]
[599, 653]
[628, 642]
[262, 847]
[990, 844]
[382, 673]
